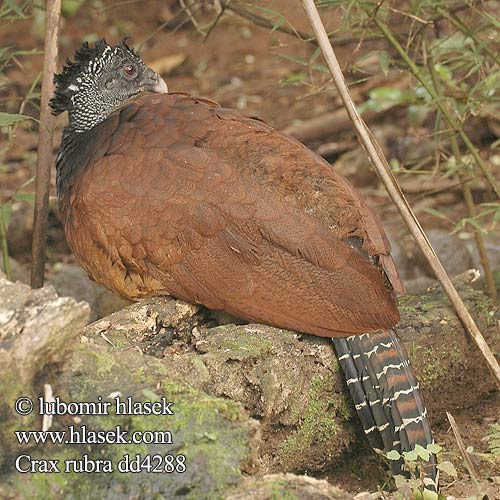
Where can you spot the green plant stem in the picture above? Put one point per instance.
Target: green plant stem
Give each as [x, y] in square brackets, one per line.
[457, 22]
[452, 122]
[4, 245]
[483, 255]
[265, 23]
[378, 160]
[469, 199]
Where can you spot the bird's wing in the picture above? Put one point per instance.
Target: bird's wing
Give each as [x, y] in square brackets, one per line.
[175, 207]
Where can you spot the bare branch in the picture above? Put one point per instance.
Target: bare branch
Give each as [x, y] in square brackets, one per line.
[376, 156]
[45, 141]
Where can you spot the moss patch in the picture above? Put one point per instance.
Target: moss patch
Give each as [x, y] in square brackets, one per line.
[212, 433]
[318, 424]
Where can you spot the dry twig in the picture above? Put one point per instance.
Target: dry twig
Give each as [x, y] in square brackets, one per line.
[45, 140]
[48, 397]
[263, 22]
[328, 124]
[372, 149]
[460, 443]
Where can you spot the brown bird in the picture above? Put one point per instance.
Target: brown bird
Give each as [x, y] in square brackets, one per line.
[168, 194]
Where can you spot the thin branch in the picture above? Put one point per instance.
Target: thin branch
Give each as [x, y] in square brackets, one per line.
[166, 24]
[4, 245]
[263, 22]
[448, 116]
[223, 8]
[461, 26]
[372, 149]
[469, 199]
[460, 443]
[45, 142]
[194, 22]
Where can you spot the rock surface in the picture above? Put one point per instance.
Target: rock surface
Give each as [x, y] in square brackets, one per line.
[246, 398]
[36, 329]
[292, 487]
[71, 280]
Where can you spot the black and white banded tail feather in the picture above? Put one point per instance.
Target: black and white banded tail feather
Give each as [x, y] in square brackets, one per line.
[386, 395]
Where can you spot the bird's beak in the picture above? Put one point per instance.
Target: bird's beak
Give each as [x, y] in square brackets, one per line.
[160, 86]
[154, 82]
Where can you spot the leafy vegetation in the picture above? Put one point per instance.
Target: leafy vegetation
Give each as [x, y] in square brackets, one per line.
[10, 12]
[446, 51]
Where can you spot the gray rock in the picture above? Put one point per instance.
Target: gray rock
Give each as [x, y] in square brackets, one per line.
[275, 486]
[215, 436]
[419, 285]
[19, 272]
[35, 326]
[72, 281]
[452, 252]
[221, 380]
[20, 229]
[36, 331]
[492, 244]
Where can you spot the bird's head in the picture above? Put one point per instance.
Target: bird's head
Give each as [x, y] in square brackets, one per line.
[100, 79]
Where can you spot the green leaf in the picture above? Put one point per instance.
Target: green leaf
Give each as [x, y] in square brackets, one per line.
[395, 165]
[399, 480]
[13, 6]
[382, 98]
[297, 78]
[496, 217]
[493, 20]
[278, 23]
[434, 448]
[303, 62]
[71, 7]
[383, 60]
[447, 468]
[475, 224]
[493, 437]
[422, 452]
[151, 395]
[24, 197]
[5, 214]
[429, 495]
[11, 118]
[436, 213]
[410, 456]
[393, 455]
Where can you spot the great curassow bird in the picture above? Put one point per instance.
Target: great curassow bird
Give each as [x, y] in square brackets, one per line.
[168, 194]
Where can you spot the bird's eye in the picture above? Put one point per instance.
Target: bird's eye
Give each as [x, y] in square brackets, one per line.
[129, 70]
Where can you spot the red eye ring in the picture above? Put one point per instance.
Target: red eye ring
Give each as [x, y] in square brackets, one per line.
[129, 70]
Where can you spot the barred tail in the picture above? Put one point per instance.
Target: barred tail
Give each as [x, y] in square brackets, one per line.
[386, 394]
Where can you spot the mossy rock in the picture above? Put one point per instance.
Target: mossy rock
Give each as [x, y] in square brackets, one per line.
[215, 436]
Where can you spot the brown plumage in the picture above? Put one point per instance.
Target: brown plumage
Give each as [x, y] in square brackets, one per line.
[171, 194]
[185, 198]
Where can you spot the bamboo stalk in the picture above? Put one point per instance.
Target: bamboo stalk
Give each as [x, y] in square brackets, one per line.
[45, 141]
[376, 156]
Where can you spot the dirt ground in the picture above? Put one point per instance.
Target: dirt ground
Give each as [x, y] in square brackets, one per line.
[239, 65]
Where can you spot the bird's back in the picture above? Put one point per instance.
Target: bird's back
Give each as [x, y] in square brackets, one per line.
[173, 194]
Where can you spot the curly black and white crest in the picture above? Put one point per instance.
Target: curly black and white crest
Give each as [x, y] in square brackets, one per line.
[87, 61]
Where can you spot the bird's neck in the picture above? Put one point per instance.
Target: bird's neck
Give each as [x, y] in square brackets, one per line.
[75, 152]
